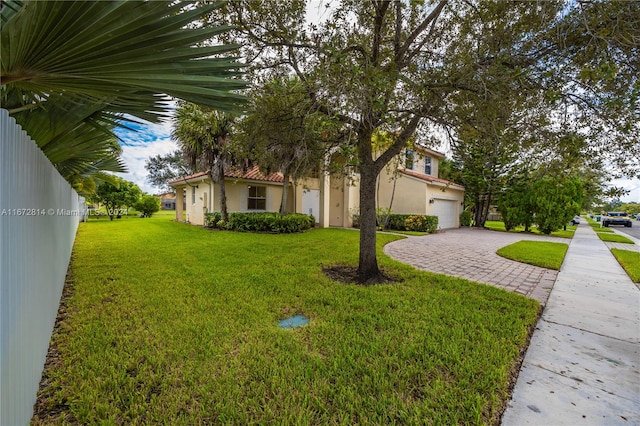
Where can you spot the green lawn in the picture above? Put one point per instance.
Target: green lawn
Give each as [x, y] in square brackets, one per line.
[538, 253]
[604, 230]
[613, 238]
[499, 226]
[630, 261]
[173, 324]
[598, 227]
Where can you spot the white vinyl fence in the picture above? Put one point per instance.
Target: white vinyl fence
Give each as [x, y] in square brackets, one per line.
[39, 215]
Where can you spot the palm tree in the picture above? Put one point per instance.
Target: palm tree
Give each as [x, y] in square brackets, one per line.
[203, 134]
[73, 70]
[283, 133]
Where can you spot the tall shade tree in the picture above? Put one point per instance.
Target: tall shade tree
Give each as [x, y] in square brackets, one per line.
[115, 196]
[203, 135]
[161, 169]
[72, 70]
[597, 52]
[283, 132]
[389, 66]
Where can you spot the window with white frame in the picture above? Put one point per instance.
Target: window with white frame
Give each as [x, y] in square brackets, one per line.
[427, 165]
[257, 198]
[408, 160]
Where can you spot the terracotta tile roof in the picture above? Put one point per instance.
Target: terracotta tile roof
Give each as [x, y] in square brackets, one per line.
[431, 179]
[186, 178]
[421, 148]
[252, 173]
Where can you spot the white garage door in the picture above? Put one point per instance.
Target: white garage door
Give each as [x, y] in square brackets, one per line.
[311, 203]
[446, 212]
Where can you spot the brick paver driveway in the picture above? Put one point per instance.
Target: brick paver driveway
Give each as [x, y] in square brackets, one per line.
[471, 253]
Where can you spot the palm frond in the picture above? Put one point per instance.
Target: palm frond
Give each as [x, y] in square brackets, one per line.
[125, 52]
[8, 9]
[71, 70]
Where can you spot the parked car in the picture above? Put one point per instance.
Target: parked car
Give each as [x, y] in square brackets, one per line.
[616, 218]
[575, 220]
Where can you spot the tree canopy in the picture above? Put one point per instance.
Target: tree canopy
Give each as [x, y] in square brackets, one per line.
[415, 67]
[164, 168]
[283, 132]
[116, 196]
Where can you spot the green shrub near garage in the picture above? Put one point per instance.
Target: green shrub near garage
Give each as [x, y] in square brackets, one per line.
[410, 222]
[422, 223]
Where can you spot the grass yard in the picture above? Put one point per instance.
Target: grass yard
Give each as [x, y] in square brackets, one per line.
[630, 261]
[167, 323]
[613, 238]
[604, 230]
[499, 226]
[597, 226]
[538, 253]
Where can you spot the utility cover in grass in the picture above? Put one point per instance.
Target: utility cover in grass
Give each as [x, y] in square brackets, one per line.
[294, 322]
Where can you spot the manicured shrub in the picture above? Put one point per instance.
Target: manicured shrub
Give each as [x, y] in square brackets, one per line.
[465, 218]
[422, 223]
[261, 222]
[211, 219]
[409, 222]
[147, 205]
[397, 222]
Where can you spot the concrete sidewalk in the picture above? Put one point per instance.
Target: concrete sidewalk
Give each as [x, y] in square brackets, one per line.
[583, 364]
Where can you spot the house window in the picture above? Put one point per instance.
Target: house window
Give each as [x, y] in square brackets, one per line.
[193, 195]
[408, 160]
[257, 198]
[184, 199]
[427, 165]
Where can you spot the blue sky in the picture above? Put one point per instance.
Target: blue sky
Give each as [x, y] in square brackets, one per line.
[147, 140]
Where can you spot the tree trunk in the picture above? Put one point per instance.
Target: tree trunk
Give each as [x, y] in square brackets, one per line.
[285, 189]
[477, 214]
[368, 272]
[224, 215]
[393, 194]
[487, 206]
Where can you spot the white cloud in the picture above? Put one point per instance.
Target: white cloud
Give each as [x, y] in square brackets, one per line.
[144, 141]
[631, 185]
[318, 11]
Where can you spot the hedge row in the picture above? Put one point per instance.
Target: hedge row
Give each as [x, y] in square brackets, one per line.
[261, 222]
[407, 222]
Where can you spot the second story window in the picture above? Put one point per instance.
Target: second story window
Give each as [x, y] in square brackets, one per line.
[427, 165]
[408, 160]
